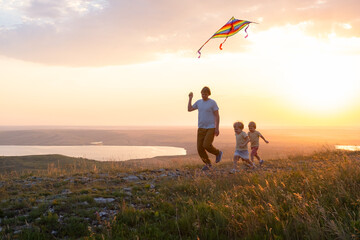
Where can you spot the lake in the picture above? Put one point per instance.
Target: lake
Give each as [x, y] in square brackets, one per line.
[100, 153]
[347, 147]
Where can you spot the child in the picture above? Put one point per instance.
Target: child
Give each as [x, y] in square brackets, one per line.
[241, 150]
[254, 140]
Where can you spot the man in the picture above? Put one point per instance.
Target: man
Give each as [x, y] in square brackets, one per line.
[208, 126]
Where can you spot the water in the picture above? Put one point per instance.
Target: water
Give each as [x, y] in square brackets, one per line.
[347, 147]
[100, 153]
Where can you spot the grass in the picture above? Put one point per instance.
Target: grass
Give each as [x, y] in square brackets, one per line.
[315, 196]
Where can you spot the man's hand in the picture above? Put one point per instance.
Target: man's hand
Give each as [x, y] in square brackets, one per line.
[190, 108]
[217, 132]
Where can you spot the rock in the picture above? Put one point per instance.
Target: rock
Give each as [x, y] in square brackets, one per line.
[104, 200]
[69, 179]
[127, 189]
[28, 185]
[131, 178]
[142, 177]
[103, 214]
[152, 186]
[163, 175]
[40, 200]
[121, 174]
[172, 174]
[53, 232]
[66, 191]
[99, 180]
[85, 179]
[37, 178]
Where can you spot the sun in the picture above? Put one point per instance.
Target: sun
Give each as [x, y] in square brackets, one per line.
[315, 75]
[319, 83]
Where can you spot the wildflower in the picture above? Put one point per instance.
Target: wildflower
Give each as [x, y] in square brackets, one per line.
[298, 196]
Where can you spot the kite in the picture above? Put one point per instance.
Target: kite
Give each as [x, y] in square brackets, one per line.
[232, 27]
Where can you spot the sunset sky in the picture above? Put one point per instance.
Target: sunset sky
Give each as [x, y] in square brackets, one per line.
[134, 62]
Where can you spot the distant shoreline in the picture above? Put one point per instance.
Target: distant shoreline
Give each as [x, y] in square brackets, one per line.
[94, 152]
[130, 128]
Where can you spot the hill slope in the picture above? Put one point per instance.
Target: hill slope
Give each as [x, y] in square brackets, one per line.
[314, 197]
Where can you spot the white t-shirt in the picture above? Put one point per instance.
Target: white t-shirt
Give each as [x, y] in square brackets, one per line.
[240, 140]
[206, 109]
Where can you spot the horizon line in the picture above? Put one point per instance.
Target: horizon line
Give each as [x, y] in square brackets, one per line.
[142, 127]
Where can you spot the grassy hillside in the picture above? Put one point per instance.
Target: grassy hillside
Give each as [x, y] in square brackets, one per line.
[303, 197]
[39, 163]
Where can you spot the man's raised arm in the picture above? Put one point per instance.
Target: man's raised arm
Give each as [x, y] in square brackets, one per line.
[190, 108]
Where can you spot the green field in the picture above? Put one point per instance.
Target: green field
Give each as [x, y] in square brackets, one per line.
[315, 196]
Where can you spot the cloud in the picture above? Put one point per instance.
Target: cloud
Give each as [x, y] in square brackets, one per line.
[99, 33]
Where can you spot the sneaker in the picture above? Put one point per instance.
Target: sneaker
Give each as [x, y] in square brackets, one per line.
[248, 165]
[206, 168]
[261, 162]
[218, 157]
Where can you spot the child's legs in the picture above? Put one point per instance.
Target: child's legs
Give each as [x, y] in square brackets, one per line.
[254, 153]
[244, 155]
[201, 134]
[236, 159]
[247, 161]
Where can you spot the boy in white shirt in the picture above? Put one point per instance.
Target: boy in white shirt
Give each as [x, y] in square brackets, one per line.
[241, 149]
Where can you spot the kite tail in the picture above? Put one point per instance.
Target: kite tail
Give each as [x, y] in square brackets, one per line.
[199, 53]
[246, 31]
[222, 43]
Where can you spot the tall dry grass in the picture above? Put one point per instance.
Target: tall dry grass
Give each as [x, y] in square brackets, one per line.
[304, 197]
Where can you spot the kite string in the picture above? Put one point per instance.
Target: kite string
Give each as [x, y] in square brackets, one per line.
[203, 46]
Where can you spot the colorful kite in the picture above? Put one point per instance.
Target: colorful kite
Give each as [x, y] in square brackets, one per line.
[232, 27]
